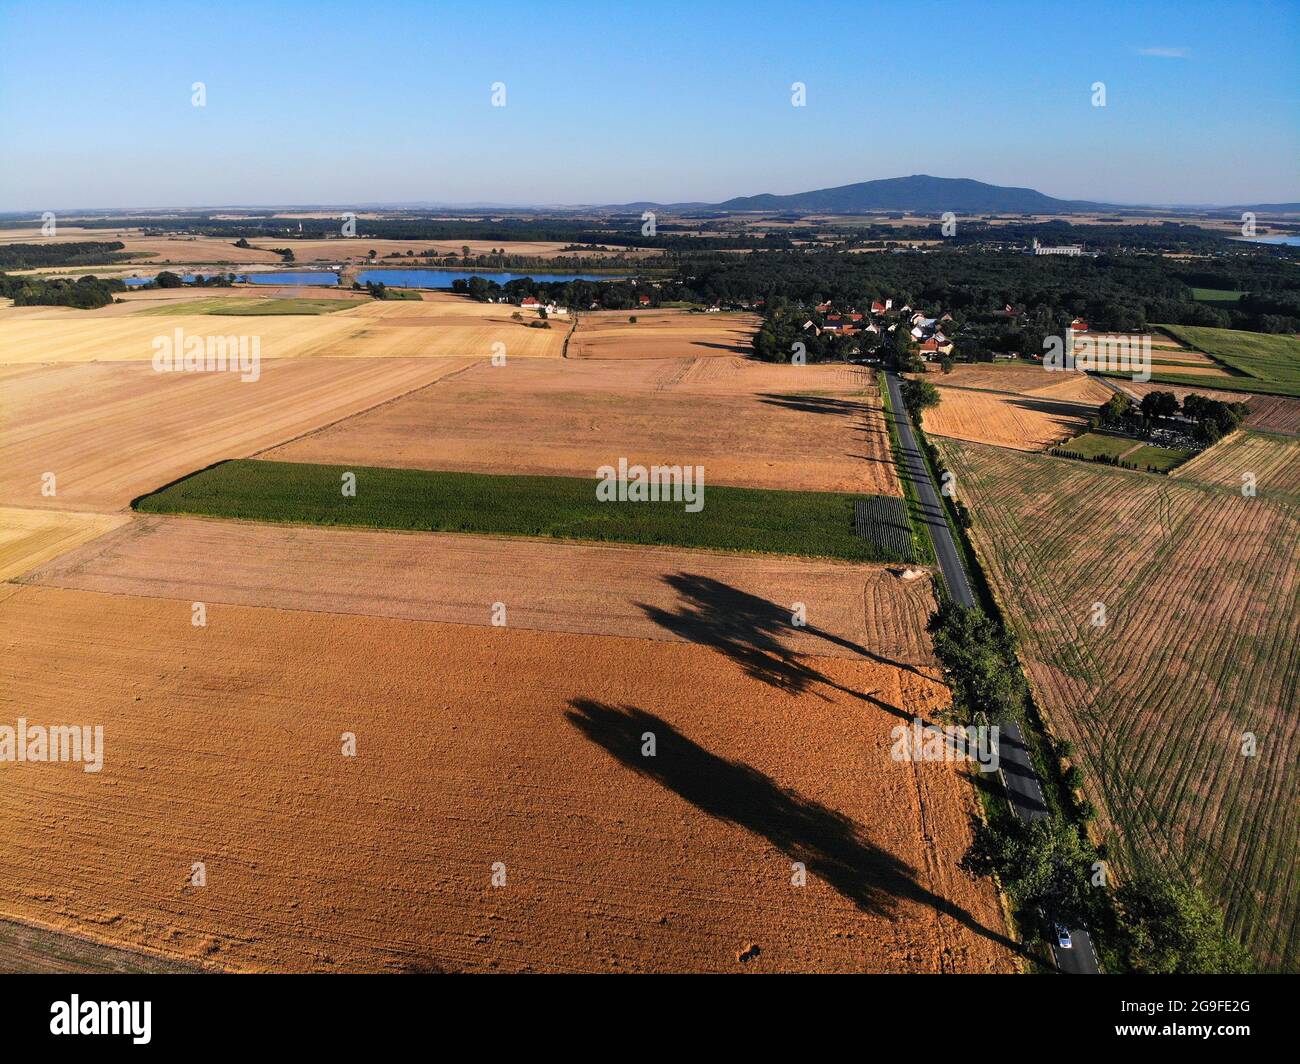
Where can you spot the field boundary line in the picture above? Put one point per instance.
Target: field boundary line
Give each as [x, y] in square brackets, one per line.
[355, 413]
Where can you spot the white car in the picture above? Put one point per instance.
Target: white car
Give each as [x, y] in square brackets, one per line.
[1063, 937]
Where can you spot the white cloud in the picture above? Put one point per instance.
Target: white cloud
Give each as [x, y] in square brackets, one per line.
[1164, 53]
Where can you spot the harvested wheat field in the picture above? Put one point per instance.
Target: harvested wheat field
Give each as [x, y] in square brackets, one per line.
[568, 418]
[160, 250]
[1273, 461]
[372, 329]
[479, 752]
[661, 334]
[558, 587]
[1026, 422]
[29, 538]
[112, 431]
[1201, 644]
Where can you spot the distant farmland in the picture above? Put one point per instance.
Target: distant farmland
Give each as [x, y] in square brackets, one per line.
[1263, 362]
[1201, 645]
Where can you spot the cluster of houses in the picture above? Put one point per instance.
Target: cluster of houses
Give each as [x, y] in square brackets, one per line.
[927, 332]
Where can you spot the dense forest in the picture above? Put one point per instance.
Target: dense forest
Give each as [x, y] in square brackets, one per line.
[85, 292]
[84, 253]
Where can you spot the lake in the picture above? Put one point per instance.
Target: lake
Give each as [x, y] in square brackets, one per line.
[1289, 241]
[397, 278]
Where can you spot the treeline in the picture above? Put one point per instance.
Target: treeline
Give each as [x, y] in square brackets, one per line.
[615, 231]
[1112, 293]
[85, 293]
[85, 252]
[580, 295]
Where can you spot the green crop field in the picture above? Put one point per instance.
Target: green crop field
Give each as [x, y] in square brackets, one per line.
[1091, 444]
[249, 307]
[884, 520]
[1216, 295]
[1199, 646]
[815, 524]
[1269, 363]
[1142, 455]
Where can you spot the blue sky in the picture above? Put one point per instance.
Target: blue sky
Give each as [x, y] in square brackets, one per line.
[350, 103]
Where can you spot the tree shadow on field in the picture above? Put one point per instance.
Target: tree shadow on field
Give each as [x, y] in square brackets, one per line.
[830, 844]
[813, 404]
[751, 631]
[872, 437]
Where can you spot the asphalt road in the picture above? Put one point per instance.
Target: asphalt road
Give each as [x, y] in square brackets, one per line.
[1025, 793]
[1023, 788]
[914, 467]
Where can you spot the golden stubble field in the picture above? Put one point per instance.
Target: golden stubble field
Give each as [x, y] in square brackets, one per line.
[161, 250]
[109, 432]
[476, 744]
[569, 417]
[439, 326]
[596, 589]
[1022, 407]
[480, 751]
[661, 334]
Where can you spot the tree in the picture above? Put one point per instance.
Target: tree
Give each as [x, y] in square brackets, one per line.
[919, 395]
[1167, 927]
[1044, 865]
[977, 662]
[1159, 404]
[1115, 409]
[167, 279]
[945, 363]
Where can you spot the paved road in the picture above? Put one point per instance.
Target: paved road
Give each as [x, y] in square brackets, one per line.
[1025, 793]
[954, 573]
[1023, 788]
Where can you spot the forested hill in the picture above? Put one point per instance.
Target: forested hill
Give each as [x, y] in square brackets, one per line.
[919, 193]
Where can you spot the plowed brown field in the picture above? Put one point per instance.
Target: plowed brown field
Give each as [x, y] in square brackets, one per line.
[567, 418]
[476, 748]
[112, 431]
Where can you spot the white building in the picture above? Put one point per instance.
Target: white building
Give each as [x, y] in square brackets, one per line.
[1064, 249]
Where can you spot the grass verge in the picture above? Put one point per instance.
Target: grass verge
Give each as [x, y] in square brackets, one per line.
[922, 548]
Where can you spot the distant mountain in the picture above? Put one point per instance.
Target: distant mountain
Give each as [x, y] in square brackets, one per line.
[919, 193]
